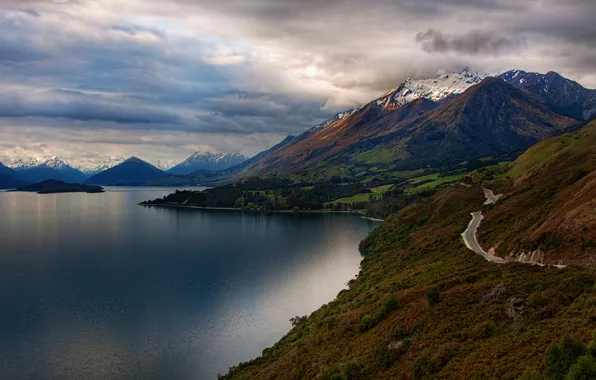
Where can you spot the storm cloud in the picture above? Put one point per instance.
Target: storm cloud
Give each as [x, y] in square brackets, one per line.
[474, 42]
[160, 79]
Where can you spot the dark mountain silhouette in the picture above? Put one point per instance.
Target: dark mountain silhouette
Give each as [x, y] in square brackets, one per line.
[132, 172]
[9, 178]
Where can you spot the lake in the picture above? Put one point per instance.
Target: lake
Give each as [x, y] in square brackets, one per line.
[93, 286]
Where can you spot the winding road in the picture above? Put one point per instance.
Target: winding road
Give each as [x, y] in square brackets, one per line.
[471, 241]
[491, 198]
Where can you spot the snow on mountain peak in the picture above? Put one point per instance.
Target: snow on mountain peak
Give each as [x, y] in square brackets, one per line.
[52, 162]
[327, 123]
[164, 165]
[107, 164]
[435, 89]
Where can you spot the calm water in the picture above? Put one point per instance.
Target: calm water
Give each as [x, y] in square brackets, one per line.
[93, 286]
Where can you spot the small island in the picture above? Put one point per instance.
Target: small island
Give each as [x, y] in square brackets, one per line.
[53, 186]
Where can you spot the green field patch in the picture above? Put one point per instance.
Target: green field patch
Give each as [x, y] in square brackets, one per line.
[438, 181]
[363, 197]
[381, 189]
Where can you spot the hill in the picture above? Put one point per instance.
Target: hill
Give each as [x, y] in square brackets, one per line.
[9, 178]
[560, 94]
[132, 172]
[208, 161]
[554, 183]
[52, 186]
[489, 118]
[425, 306]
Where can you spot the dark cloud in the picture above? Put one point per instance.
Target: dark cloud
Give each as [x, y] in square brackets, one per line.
[473, 42]
[82, 110]
[240, 68]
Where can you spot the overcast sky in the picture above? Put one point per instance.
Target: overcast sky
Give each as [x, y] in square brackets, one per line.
[160, 79]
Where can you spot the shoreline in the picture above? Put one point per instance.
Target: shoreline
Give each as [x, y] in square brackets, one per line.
[354, 212]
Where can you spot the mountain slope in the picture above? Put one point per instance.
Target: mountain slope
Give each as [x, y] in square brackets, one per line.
[132, 172]
[548, 213]
[208, 161]
[9, 178]
[560, 94]
[491, 117]
[424, 306]
[33, 170]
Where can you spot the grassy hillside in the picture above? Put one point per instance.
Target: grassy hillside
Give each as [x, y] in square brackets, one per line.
[549, 207]
[424, 306]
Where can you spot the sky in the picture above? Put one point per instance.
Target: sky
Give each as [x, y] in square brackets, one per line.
[160, 79]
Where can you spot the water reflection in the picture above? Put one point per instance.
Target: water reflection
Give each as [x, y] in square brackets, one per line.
[93, 286]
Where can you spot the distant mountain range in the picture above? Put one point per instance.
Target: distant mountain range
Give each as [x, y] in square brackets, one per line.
[439, 122]
[32, 170]
[208, 161]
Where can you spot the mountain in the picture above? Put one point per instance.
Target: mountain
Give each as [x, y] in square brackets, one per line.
[560, 94]
[107, 164]
[208, 161]
[489, 118]
[436, 89]
[132, 172]
[33, 170]
[164, 165]
[424, 306]
[9, 178]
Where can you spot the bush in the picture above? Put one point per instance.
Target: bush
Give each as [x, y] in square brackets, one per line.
[433, 296]
[327, 373]
[352, 371]
[562, 355]
[584, 369]
[389, 305]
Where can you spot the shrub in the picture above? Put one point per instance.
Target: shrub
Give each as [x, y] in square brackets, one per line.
[584, 369]
[327, 373]
[433, 296]
[389, 305]
[562, 355]
[352, 371]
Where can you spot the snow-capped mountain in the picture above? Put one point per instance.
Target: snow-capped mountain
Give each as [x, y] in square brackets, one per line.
[37, 170]
[52, 162]
[107, 164]
[164, 165]
[560, 94]
[208, 161]
[436, 89]
[24, 163]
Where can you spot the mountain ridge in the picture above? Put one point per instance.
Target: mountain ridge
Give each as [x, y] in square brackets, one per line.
[560, 94]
